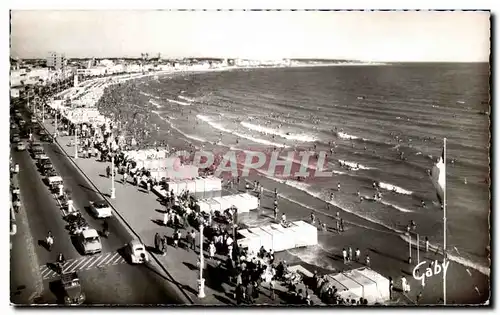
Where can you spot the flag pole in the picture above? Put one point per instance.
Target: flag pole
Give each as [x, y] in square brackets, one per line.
[444, 223]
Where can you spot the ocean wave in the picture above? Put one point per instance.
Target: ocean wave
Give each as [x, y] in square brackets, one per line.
[346, 136]
[256, 140]
[182, 97]
[395, 207]
[148, 95]
[397, 189]
[354, 165]
[177, 129]
[178, 102]
[289, 136]
[154, 104]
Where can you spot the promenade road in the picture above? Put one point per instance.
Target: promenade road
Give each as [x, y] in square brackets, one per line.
[105, 277]
[140, 210]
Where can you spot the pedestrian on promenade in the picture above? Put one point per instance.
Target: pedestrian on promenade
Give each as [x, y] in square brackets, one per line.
[177, 236]
[313, 218]
[367, 260]
[157, 242]
[275, 212]
[148, 186]
[426, 244]
[211, 250]
[391, 286]
[338, 215]
[165, 218]
[283, 219]
[358, 254]
[193, 240]
[349, 257]
[419, 297]
[341, 224]
[108, 171]
[344, 255]
[164, 245]
[338, 226]
[272, 289]
[125, 175]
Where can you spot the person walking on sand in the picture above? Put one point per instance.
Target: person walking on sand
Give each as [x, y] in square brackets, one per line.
[313, 218]
[275, 212]
[275, 193]
[157, 242]
[349, 255]
[344, 255]
[426, 244]
[367, 260]
[338, 186]
[358, 254]
[338, 226]
[341, 225]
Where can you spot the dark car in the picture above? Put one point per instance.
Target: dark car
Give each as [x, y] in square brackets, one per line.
[46, 138]
[72, 289]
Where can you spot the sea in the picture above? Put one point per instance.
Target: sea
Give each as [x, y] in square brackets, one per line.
[385, 124]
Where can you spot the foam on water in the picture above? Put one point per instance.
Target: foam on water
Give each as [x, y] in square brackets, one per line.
[354, 166]
[147, 94]
[182, 97]
[177, 129]
[289, 136]
[347, 136]
[178, 102]
[395, 206]
[221, 128]
[152, 102]
[394, 188]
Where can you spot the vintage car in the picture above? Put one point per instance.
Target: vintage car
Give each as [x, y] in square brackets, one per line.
[41, 158]
[33, 119]
[21, 146]
[54, 182]
[89, 241]
[72, 289]
[46, 138]
[15, 138]
[14, 168]
[100, 209]
[136, 252]
[50, 173]
[36, 148]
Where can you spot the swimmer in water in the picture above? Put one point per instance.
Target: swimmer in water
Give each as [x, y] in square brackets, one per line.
[331, 196]
[423, 204]
[374, 185]
[465, 181]
[338, 187]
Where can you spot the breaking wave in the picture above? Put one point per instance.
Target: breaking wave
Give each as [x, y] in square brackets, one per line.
[394, 188]
[286, 135]
[178, 102]
[353, 165]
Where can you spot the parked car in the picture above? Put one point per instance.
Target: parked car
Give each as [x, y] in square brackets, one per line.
[136, 252]
[72, 289]
[21, 146]
[89, 241]
[100, 209]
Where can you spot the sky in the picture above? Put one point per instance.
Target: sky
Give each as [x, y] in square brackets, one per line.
[368, 36]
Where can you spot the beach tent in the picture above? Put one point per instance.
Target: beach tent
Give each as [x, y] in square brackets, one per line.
[351, 285]
[214, 205]
[251, 202]
[212, 183]
[200, 184]
[204, 206]
[278, 239]
[305, 234]
[224, 203]
[249, 240]
[191, 186]
[264, 237]
[286, 237]
[379, 292]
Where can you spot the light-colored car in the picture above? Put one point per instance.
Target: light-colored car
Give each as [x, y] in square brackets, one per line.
[136, 252]
[21, 146]
[89, 241]
[100, 209]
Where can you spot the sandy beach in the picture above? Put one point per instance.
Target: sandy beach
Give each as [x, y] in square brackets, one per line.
[388, 250]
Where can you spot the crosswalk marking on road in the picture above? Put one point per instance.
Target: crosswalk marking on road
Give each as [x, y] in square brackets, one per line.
[84, 263]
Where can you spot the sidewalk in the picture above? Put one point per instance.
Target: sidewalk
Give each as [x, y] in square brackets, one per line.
[140, 209]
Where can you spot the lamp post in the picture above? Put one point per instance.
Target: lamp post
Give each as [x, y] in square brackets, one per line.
[76, 143]
[112, 195]
[201, 281]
